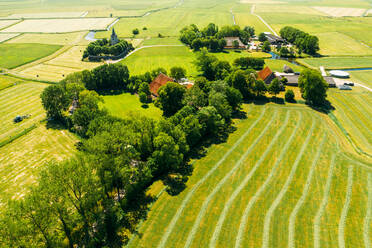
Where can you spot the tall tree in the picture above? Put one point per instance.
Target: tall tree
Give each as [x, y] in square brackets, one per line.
[313, 87]
[170, 98]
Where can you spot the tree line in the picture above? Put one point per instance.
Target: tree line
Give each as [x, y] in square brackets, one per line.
[305, 42]
[104, 48]
[212, 37]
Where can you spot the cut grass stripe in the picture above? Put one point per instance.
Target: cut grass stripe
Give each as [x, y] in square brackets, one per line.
[323, 204]
[345, 209]
[175, 218]
[244, 218]
[367, 220]
[220, 184]
[243, 184]
[292, 218]
[270, 212]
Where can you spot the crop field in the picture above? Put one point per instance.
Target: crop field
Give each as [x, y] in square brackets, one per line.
[53, 39]
[21, 99]
[363, 77]
[280, 180]
[47, 15]
[340, 12]
[59, 25]
[26, 155]
[6, 23]
[5, 37]
[58, 68]
[338, 62]
[353, 110]
[6, 81]
[124, 104]
[14, 55]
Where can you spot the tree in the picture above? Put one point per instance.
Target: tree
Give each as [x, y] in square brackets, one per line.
[250, 30]
[204, 63]
[274, 88]
[143, 98]
[260, 88]
[210, 30]
[313, 87]
[135, 31]
[236, 44]
[219, 101]
[197, 44]
[262, 37]
[55, 100]
[289, 96]
[144, 92]
[266, 47]
[177, 73]
[239, 82]
[170, 98]
[195, 97]
[210, 120]
[248, 62]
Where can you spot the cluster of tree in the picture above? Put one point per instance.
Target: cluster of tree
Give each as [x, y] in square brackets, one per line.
[286, 53]
[305, 42]
[313, 87]
[211, 37]
[103, 48]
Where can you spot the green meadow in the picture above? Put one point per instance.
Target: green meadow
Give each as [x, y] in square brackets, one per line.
[14, 55]
[363, 77]
[338, 62]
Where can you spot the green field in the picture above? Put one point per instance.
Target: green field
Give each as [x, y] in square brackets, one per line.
[280, 180]
[338, 62]
[53, 39]
[14, 55]
[124, 104]
[6, 81]
[363, 77]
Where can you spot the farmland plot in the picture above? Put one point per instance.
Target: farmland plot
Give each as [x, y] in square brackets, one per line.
[5, 37]
[363, 77]
[273, 184]
[339, 12]
[6, 23]
[53, 39]
[60, 25]
[47, 15]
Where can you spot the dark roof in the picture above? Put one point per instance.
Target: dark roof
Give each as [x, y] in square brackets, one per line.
[274, 39]
[159, 81]
[265, 73]
[292, 79]
[331, 82]
[230, 40]
[287, 69]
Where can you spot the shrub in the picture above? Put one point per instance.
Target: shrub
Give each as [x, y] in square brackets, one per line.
[289, 96]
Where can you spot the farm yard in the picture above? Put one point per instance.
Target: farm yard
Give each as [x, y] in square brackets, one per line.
[259, 186]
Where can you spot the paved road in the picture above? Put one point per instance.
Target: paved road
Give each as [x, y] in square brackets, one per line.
[263, 21]
[361, 85]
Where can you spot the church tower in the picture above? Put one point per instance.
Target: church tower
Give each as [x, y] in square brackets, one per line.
[114, 38]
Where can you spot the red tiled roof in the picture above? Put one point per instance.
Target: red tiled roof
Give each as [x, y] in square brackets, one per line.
[265, 73]
[158, 82]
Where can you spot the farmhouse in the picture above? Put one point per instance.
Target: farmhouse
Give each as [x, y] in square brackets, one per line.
[273, 39]
[234, 43]
[159, 81]
[293, 79]
[267, 75]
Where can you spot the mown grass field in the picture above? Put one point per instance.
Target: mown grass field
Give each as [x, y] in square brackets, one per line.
[53, 39]
[6, 81]
[124, 104]
[354, 111]
[14, 55]
[339, 62]
[363, 77]
[59, 67]
[280, 180]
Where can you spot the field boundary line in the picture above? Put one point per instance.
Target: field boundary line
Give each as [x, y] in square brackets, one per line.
[175, 218]
[237, 191]
[267, 221]
[367, 220]
[300, 202]
[319, 213]
[345, 209]
[243, 219]
[262, 20]
[203, 209]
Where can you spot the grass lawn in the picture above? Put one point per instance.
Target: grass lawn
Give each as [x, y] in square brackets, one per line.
[162, 41]
[14, 55]
[339, 62]
[122, 105]
[364, 77]
[6, 81]
[273, 182]
[277, 65]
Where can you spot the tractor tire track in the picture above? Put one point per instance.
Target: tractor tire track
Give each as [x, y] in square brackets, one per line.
[216, 233]
[187, 198]
[345, 209]
[244, 218]
[292, 218]
[203, 209]
[270, 212]
[367, 220]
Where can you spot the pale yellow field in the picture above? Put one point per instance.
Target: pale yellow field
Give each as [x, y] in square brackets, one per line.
[60, 25]
[261, 1]
[54, 39]
[47, 15]
[5, 37]
[58, 68]
[286, 8]
[339, 12]
[6, 23]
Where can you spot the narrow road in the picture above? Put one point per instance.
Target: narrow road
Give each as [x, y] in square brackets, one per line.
[137, 49]
[361, 85]
[233, 16]
[263, 21]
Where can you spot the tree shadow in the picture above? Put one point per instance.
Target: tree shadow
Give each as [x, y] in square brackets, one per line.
[145, 106]
[56, 125]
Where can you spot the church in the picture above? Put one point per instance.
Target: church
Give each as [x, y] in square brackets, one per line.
[114, 38]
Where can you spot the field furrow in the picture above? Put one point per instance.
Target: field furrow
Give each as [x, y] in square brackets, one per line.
[292, 218]
[269, 214]
[245, 181]
[345, 209]
[367, 219]
[252, 201]
[187, 198]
